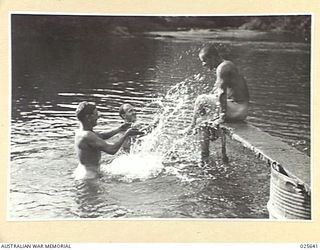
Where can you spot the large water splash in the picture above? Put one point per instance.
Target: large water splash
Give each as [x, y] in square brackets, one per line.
[163, 145]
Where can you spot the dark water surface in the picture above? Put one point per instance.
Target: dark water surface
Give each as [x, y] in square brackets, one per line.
[51, 76]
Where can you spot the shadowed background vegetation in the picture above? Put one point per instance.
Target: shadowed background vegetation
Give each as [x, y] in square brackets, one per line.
[297, 26]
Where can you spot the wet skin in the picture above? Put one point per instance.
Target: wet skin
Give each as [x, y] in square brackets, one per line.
[90, 144]
[233, 98]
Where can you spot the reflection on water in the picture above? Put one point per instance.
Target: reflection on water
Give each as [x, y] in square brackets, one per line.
[160, 76]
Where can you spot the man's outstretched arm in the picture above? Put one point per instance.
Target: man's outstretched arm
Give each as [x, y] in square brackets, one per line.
[110, 148]
[109, 134]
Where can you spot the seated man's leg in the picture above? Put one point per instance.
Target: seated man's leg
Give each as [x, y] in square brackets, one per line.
[223, 145]
[204, 144]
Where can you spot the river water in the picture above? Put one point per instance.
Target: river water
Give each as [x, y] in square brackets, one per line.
[159, 73]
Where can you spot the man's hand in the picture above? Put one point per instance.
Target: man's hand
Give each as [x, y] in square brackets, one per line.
[211, 123]
[124, 127]
[133, 132]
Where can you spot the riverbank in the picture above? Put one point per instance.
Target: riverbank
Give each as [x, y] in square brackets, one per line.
[296, 26]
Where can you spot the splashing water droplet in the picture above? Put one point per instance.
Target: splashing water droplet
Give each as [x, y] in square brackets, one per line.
[163, 144]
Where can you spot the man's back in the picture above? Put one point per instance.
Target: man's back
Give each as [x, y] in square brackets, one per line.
[228, 77]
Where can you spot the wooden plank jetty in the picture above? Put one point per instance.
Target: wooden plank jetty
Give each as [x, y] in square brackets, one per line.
[290, 179]
[271, 149]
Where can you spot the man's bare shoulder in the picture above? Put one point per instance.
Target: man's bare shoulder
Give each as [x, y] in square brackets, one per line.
[85, 134]
[226, 66]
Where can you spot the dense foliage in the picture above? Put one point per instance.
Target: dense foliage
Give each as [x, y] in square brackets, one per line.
[299, 25]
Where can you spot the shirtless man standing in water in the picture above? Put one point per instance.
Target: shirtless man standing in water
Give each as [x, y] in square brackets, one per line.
[129, 115]
[89, 144]
[230, 95]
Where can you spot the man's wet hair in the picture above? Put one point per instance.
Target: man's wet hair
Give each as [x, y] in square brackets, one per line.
[210, 50]
[83, 109]
[121, 109]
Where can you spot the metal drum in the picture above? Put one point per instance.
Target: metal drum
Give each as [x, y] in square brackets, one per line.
[289, 198]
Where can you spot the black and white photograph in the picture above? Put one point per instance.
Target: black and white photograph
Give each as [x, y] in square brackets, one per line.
[118, 117]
